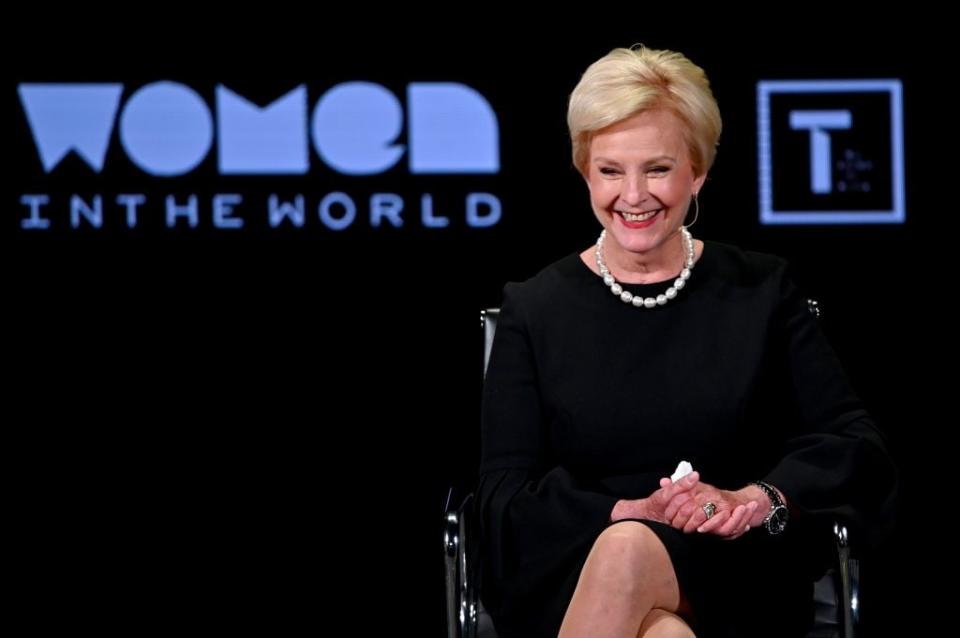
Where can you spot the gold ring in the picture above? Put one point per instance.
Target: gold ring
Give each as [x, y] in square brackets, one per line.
[709, 509]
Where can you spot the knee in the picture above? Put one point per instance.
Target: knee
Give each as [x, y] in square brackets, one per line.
[625, 554]
[663, 624]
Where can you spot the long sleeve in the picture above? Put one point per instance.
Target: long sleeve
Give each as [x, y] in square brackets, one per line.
[836, 464]
[588, 400]
[533, 512]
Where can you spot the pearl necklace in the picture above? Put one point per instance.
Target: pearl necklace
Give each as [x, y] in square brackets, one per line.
[648, 302]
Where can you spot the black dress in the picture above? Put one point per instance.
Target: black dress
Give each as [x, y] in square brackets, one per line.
[588, 400]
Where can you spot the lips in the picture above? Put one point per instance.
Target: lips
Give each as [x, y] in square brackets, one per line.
[643, 212]
[639, 224]
[652, 213]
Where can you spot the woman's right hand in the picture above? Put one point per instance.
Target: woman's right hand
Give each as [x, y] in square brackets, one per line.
[653, 507]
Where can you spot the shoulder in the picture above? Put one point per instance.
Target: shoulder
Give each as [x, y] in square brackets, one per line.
[747, 268]
[552, 284]
[759, 281]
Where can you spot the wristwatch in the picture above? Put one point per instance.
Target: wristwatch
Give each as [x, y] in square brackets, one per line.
[776, 520]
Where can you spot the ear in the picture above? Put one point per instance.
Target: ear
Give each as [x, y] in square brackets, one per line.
[698, 183]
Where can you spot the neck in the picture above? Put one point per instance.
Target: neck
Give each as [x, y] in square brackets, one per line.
[651, 266]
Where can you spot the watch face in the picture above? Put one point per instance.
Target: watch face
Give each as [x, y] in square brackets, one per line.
[778, 520]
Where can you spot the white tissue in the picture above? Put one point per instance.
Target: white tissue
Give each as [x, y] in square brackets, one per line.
[683, 468]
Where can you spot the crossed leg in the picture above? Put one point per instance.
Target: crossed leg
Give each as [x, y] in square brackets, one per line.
[627, 589]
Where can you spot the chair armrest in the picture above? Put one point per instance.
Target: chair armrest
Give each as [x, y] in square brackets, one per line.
[459, 571]
[849, 574]
[451, 549]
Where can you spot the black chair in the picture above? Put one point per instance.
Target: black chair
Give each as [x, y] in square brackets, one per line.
[836, 594]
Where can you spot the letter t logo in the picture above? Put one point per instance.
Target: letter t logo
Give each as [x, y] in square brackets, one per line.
[818, 123]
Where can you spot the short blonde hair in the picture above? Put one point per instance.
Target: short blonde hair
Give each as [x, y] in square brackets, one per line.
[626, 82]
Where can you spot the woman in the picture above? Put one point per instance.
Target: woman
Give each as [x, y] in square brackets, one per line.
[704, 353]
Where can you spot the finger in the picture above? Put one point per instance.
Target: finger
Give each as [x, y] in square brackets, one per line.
[689, 512]
[686, 482]
[683, 486]
[665, 482]
[698, 516]
[749, 508]
[695, 521]
[681, 517]
[680, 487]
[693, 511]
[715, 521]
[747, 517]
[676, 504]
[682, 490]
[735, 522]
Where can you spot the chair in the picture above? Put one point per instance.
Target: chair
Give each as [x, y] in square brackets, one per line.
[836, 594]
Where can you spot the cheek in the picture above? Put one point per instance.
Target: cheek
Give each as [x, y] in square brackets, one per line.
[673, 192]
[602, 192]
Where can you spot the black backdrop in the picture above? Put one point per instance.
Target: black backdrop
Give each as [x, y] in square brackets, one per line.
[210, 428]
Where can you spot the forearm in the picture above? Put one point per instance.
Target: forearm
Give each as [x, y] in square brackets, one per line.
[632, 508]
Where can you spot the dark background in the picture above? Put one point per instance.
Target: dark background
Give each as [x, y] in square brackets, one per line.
[209, 428]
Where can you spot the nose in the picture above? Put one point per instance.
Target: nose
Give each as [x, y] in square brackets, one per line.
[634, 190]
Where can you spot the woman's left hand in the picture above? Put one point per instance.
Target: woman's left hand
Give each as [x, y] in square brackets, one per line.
[733, 515]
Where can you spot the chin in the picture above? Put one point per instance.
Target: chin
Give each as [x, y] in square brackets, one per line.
[634, 243]
[637, 241]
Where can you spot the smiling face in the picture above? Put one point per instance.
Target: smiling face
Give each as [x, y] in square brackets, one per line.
[641, 181]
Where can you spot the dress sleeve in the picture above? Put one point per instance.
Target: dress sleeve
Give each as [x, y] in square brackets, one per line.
[835, 462]
[536, 518]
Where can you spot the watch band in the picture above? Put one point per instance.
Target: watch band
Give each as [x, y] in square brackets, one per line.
[772, 494]
[776, 519]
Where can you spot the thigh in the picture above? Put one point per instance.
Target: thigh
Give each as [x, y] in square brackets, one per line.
[650, 557]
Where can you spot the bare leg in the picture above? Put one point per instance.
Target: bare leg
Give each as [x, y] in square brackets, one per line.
[627, 574]
[663, 624]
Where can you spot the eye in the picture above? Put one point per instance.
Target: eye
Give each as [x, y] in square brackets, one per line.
[608, 171]
[660, 169]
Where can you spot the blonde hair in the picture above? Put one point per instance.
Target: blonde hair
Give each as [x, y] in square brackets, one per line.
[626, 82]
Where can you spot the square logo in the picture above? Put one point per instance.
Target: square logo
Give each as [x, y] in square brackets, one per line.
[831, 151]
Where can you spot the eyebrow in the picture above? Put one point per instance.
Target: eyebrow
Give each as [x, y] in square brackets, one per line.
[654, 160]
